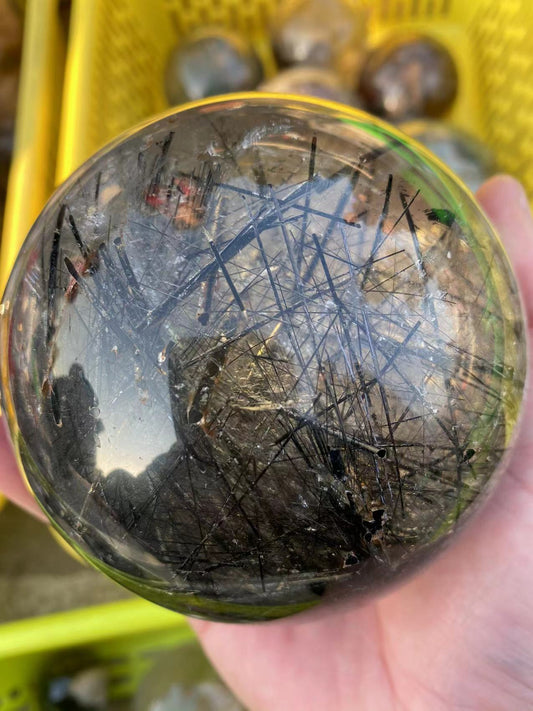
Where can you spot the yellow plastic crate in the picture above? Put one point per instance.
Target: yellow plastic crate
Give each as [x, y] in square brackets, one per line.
[117, 51]
[32, 174]
[121, 637]
[81, 90]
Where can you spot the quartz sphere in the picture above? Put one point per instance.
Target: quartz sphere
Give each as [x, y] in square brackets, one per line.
[259, 354]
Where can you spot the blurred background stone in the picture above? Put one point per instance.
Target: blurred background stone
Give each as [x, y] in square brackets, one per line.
[319, 82]
[321, 34]
[408, 77]
[211, 62]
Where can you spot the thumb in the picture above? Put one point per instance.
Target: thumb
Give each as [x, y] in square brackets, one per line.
[11, 482]
[505, 202]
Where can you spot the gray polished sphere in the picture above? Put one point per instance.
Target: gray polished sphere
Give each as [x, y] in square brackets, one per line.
[210, 63]
[409, 77]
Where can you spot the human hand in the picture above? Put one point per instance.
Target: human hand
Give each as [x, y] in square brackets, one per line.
[11, 483]
[458, 636]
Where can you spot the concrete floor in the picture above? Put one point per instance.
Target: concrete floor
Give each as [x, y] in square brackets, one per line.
[37, 577]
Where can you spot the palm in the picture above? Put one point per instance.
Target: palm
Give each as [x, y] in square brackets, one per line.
[460, 635]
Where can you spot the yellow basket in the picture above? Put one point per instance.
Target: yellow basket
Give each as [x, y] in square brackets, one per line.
[121, 637]
[117, 51]
[115, 67]
[32, 174]
[79, 89]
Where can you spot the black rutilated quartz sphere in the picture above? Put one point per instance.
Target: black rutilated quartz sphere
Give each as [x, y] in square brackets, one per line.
[259, 354]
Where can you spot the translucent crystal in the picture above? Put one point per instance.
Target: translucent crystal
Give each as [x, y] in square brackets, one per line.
[260, 354]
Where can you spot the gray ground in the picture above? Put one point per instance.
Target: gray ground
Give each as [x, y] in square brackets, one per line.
[37, 577]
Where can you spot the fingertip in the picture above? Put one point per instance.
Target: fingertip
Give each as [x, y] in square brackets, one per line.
[502, 182]
[502, 194]
[506, 204]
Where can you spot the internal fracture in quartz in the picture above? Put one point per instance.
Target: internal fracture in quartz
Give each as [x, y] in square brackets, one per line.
[263, 352]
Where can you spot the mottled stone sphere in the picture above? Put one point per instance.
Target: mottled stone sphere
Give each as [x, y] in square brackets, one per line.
[408, 77]
[261, 354]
